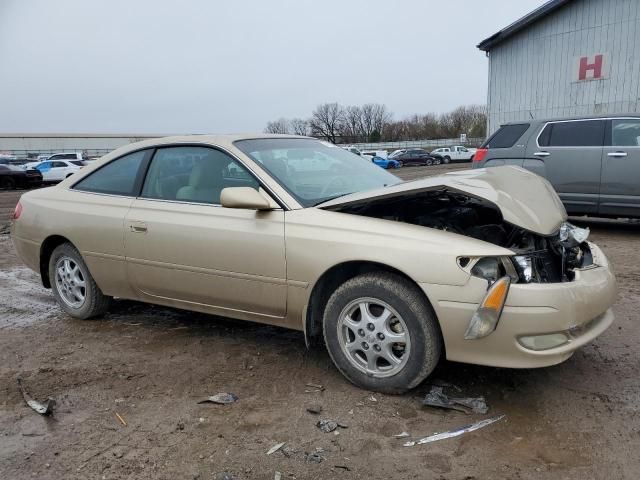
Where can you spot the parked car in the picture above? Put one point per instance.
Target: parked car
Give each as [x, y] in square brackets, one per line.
[376, 153]
[417, 156]
[358, 152]
[395, 153]
[479, 265]
[386, 163]
[12, 177]
[56, 170]
[457, 153]
[593, 163]
[66, 156]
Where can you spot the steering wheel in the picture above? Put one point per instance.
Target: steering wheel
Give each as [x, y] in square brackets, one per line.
[339, 184]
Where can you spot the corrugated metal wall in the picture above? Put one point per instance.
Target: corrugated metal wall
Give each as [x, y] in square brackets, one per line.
[535, 73]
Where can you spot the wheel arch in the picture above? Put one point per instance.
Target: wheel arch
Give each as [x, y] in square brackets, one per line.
[330, 280]
[46, 249]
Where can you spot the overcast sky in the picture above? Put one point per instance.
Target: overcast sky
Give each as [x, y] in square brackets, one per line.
[197, 66]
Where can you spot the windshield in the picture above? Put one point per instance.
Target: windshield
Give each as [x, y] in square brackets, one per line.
[314, 171]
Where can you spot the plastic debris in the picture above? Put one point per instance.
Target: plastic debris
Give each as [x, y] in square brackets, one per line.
[314, 408]
[437, 398]
[314, 388]
[277, 476]
[41, 408]
[315, 457]
[120, 419]
[456, 432]
[327, 425]
[220, 398]
[275, 448]
[402, 435]
[342, 467]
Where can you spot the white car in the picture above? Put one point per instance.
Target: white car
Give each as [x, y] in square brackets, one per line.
[357, 151]
[457, 153]
[56, 170]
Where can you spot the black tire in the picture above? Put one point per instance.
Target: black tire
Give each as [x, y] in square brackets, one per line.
[428, 163]
[410, 304]
[446, 160]
[471, 159]
[437, 161]
[95, 302]
[7, 183]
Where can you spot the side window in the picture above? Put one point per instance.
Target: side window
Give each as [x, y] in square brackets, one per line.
[117, 177]
[585, 133]
[58, 164]
[194, 174]
[625, 133]
[44, 166]
[506, 136]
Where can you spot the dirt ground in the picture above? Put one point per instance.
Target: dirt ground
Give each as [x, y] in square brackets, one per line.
[152, 365]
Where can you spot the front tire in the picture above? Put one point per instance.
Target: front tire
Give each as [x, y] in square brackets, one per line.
[7, 183]
[381, 333]
[447, 160]
[73, 286]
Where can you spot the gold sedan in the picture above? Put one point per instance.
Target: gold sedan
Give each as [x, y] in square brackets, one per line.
[478, 266]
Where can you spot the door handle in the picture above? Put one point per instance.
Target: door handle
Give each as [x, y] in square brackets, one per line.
[138, 227]
[617, 154]
[542, 154]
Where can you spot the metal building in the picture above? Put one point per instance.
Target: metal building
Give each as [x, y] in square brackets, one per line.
[23, 144]
[568, 57]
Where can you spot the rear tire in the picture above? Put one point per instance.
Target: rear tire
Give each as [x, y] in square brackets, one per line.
[73, 286]
[447, 160]
[406, 332]
[7, 183]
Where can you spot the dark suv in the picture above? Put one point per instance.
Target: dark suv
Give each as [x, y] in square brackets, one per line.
[593, 163]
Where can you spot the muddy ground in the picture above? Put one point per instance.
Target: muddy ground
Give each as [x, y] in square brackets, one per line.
[152, 365]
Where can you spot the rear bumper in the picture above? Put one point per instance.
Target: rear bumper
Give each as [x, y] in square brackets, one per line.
[581, 309]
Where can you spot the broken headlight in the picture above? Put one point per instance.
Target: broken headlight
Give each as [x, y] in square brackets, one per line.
[572, 236]
[493, 268]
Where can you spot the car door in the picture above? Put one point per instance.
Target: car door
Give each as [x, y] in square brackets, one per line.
[184, 249]
[570, 154]
[620, 185]
[45, 169]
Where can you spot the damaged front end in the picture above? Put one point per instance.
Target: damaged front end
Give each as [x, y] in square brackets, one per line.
[537, 258]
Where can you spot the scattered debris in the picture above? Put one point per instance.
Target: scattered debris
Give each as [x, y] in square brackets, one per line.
[224, 476]
[220, 398]
[277, 476]
[443, 383]
[41, 408]
[289, 451]
[343, 467]
[437, 398]
[456, 432]
[327, 425]
[314, 408]
[275, 448]
[314, 388]
[121, 419]
[315, 457]
[402, 435]
[373, 399]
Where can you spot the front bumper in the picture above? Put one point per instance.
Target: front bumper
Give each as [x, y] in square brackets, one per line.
[581, 307]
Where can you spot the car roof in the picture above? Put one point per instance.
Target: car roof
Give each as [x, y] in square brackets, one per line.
[224, 141]
[576, 117]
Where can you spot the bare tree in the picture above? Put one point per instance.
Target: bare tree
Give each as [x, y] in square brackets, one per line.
[326, 120]
[374, 117]
[299, 126]
[281, 125]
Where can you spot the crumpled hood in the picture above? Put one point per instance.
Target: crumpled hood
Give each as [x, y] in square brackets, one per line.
[524, 198]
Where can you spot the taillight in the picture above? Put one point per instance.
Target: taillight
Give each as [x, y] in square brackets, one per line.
[480, 154]
[17, 212]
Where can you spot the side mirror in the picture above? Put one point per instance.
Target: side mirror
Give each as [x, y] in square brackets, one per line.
[244, 197]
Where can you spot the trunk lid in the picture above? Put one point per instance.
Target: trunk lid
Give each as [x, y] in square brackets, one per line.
[524, 198]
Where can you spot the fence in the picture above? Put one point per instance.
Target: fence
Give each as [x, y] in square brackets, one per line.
[433, 143]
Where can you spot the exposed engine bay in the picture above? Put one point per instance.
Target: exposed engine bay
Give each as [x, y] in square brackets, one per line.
[541, 259]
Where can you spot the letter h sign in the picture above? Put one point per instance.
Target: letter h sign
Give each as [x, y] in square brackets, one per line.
[595, 67]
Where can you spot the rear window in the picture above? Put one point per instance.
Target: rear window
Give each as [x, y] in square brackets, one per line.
[506, 136]
[78, 163]
[585, 133]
